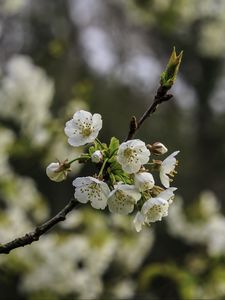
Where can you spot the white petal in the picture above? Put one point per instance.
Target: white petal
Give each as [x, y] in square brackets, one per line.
[144, 181]
[83, 116]
[139, 220]
[119, 207]
[99, 200]
[97, 122]
[81, 181]
[164, 179]
[77, 141]
[167, 194]
[131, 168]
[99, 203]
[81, 195]
[92, 136]
[130, 190]
[120, 202]
[69, 127]
[169, 163]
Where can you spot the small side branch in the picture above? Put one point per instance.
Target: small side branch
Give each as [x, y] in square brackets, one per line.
[161, 96]
[33, 236]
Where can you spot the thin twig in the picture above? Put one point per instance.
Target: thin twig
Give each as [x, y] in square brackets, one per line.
[33, 236]
[161, 96]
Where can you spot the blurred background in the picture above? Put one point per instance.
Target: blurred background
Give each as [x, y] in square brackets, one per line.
[106, 56]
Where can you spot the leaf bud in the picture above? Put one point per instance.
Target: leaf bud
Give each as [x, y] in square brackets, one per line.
[168, 77]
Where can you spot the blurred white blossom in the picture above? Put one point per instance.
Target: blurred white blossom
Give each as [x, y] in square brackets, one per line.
[207, 230]
[26, 89]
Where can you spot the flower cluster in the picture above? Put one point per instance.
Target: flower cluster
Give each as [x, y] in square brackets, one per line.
[124, 181]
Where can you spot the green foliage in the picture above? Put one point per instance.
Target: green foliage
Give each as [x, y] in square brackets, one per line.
[113, 146]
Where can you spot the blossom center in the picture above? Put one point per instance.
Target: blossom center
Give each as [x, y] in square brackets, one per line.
[86, 131]
[130, 154]
[123, 198]
[93, 190]
[120, 196]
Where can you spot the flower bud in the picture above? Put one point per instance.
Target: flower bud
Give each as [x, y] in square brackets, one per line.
[157, 148]
[97, 157]
[57, 171]
[144, 181]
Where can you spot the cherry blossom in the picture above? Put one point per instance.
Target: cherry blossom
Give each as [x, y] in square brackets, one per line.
[144, 181]
[132, 155]
[83, 128]
[154, 209]
[123, 198]
[93, 190]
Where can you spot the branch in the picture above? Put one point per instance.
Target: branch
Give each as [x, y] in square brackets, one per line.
[33, 236]
[28, 238]
[161, 96]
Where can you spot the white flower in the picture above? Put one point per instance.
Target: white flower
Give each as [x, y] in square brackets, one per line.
[132, 155]
[55, 172]
[167, 168]
[143, 181]
[154, 209]
[93, 190]
[97, 156]
[122, 199]
[83, 128]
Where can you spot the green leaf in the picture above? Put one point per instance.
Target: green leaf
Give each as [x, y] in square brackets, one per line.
[115, 166]
[114, 145]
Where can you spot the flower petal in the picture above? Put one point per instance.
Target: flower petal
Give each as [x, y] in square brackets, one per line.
[139, 220]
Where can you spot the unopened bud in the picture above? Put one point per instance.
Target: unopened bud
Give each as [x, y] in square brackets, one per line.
[97, 157]
[57, 171]
[157, 148]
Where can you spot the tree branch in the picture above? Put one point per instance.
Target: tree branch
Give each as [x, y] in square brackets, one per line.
[33, 236]
[161, 96]
[28, 238]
